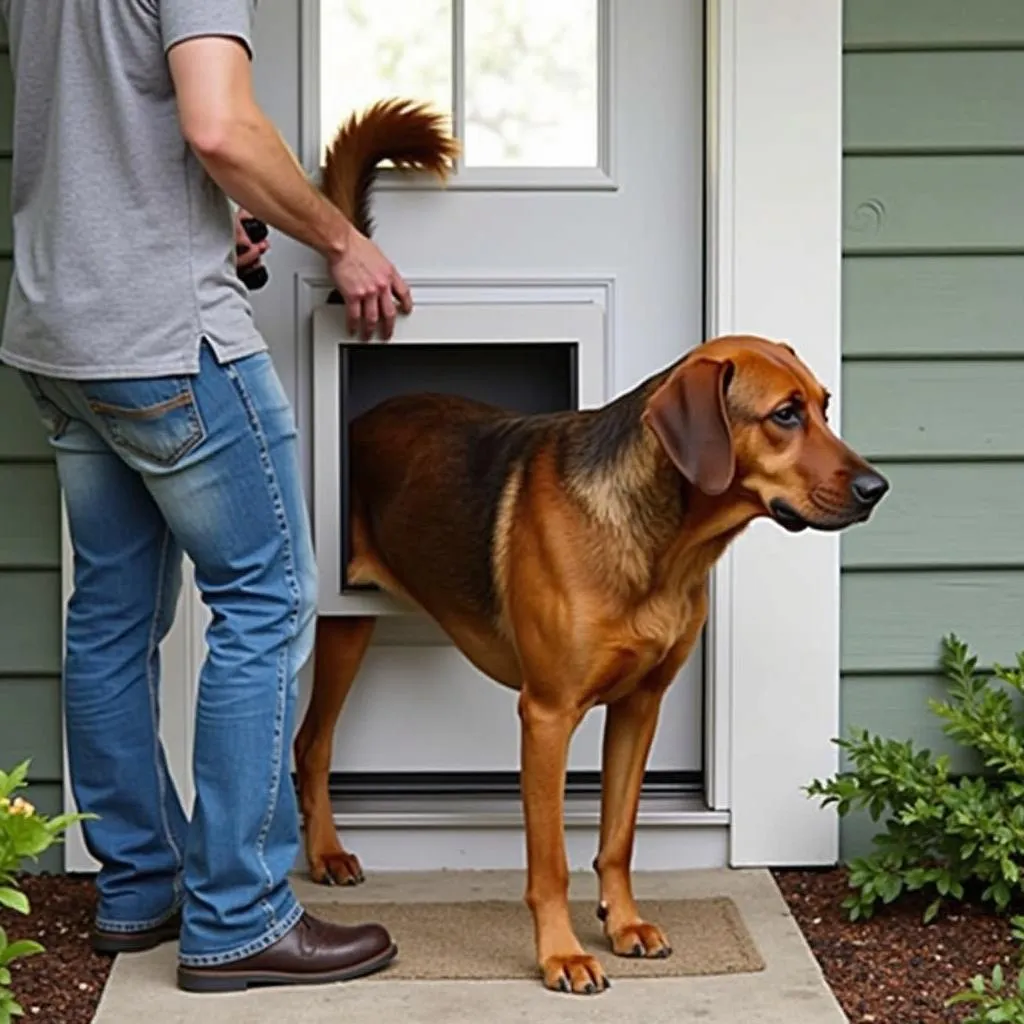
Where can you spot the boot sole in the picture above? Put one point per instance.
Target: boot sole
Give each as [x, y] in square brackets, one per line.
[210, 980]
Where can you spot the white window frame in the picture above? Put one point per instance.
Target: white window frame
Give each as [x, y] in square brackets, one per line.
[599, 178]
[774, 162]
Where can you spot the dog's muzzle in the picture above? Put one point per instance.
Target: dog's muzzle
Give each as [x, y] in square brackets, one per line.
[866, 489]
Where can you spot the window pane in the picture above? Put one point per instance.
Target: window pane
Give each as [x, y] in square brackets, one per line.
[531, 83]
[376, 49]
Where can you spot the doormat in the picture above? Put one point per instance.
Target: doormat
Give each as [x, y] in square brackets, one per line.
[493, 939]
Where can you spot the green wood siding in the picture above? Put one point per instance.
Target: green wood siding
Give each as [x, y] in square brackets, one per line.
[974, 304]
[933, 351]
[921, 102]
[935, 409]
[30, 604]
[974, 512]
[932, 24]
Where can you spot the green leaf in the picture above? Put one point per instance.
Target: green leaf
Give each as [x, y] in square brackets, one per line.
[932, 910]
[61, 822]
[17, 950]
[12, 899]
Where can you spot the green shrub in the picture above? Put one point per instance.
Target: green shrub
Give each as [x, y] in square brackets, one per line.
[24, 835]
[944, 835]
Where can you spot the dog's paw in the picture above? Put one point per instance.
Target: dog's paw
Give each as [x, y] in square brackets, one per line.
[578, 973]
[337, 869]
[640, 939]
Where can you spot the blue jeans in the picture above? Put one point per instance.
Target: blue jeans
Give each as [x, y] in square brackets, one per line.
[204, 464]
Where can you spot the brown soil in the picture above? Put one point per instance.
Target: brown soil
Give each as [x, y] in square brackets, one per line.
[64, 984]
[894, 969]
[891, 970]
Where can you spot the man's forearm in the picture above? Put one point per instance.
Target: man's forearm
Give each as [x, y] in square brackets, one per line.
[256, 168]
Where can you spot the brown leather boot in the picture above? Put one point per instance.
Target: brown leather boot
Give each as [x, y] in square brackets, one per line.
[314, 952]
[113, 943]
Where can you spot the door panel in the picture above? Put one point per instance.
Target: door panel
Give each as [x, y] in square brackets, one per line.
[627, 241]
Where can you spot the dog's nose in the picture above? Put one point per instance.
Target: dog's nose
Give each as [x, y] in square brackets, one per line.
[869, 488]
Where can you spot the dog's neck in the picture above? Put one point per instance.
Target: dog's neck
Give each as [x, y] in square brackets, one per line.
[664, 530]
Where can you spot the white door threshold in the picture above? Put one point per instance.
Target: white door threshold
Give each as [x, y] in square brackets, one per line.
[438, 835]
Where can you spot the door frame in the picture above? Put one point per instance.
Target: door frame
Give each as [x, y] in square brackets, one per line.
[773, 134]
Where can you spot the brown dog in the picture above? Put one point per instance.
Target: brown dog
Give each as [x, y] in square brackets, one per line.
[567, 556]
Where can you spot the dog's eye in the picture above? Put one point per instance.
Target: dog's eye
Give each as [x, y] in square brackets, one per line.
[787, 416]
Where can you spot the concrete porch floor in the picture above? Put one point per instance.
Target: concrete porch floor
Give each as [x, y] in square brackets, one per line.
[790, 991]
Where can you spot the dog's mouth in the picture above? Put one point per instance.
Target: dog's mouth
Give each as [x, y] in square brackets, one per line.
[786, 516]
[789, 519]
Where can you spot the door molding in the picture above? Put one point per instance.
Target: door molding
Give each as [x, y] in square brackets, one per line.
[774, 132]
[774, 161]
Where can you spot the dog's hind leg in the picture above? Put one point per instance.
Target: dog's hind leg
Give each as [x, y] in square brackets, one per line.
[341, 643]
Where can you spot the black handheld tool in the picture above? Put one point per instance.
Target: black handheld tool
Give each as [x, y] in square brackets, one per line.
[256, 277]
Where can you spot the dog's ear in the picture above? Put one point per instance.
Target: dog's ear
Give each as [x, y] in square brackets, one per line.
[688, 416]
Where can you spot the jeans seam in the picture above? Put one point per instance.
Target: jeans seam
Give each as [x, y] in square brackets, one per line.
[153, 701]
[251, 948]
[277, 755]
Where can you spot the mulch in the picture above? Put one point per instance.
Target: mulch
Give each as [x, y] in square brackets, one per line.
[64, 984]
[892, 969]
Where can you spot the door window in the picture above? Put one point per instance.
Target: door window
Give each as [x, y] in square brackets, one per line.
[524, 82]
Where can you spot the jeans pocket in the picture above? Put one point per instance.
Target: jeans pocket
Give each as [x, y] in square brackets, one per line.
[55, 420]
[156, 419]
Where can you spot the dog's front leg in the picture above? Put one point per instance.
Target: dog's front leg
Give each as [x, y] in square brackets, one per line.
[628, 733]
[546, 734]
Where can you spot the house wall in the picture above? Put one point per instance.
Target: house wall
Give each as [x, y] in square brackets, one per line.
[933, 350]
[30, 609]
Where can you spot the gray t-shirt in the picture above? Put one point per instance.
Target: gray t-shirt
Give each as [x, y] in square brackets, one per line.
[123, 245]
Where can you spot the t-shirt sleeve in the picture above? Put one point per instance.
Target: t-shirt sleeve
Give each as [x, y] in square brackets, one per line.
[189, 19]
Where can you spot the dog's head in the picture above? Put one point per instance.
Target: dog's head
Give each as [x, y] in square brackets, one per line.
[745, 416]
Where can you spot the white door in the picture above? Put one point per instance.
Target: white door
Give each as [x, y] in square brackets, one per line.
[581, 184]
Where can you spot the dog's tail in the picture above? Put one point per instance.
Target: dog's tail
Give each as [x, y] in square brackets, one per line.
[411, 135]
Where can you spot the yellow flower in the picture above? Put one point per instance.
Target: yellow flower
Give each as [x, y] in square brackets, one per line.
[22, 807]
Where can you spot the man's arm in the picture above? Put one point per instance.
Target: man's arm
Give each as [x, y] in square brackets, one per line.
[244, 153]
[242, 150]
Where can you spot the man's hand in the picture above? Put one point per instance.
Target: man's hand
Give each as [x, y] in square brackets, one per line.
[247, 254]
[370, 284]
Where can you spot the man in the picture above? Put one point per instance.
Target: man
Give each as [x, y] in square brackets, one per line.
[134, 121]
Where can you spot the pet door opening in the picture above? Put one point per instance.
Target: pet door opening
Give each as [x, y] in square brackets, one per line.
[522, 377]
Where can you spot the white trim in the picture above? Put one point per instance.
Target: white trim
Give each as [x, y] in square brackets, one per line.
[774, 188]
[599, 178]
[488, 835]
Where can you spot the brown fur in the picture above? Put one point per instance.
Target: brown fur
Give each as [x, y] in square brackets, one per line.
[410, 135]
[567, 556]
